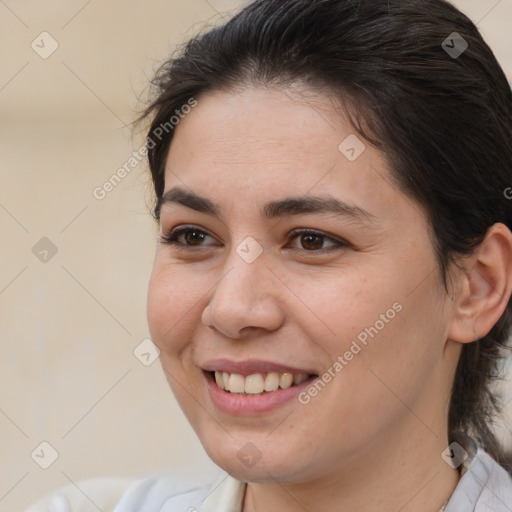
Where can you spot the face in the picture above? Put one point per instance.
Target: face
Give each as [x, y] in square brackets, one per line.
[283, 253]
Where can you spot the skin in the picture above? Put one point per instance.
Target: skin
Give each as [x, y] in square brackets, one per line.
[373, 438]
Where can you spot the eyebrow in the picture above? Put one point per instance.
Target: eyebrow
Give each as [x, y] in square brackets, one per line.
[274, 209]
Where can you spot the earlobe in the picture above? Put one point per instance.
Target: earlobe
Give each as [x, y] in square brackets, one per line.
[484, 287]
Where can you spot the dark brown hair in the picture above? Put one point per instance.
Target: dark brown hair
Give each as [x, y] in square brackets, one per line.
[443, 120]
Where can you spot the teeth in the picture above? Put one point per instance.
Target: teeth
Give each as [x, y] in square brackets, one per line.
[286, 380]
[257, 383]
[236, 383]
[254, 384]
[299, 378]
[272, 381]
[219, 379]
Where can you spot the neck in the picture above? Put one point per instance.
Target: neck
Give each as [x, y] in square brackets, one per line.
[404, 472]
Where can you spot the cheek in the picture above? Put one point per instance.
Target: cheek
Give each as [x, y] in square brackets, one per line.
[344, 302]
[173, 307]
[159, 301]
[401, 340]
[376, 314]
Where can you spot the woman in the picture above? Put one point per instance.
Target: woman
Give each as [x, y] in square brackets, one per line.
[331, 287]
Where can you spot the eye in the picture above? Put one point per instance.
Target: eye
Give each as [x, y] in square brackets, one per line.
[314, 240]
[187, 236]
[307, 239]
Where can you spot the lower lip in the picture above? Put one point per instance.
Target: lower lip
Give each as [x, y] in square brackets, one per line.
[247, 405]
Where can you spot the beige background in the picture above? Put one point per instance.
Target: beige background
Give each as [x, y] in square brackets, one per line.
[69, 325]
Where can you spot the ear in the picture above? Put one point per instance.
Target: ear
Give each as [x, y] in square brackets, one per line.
[483, 287]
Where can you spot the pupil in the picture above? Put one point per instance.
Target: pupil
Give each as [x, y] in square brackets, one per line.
[194, 237]
[312, 241]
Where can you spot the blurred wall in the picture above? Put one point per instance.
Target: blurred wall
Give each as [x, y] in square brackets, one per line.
[74, 264]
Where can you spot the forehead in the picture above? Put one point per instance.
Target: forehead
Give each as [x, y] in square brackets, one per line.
[258, 145]
[261, 125]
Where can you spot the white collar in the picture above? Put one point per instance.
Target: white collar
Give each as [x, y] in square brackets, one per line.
[226, 495]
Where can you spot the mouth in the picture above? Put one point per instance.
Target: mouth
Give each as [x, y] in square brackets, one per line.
[257, 384]
[253, 387]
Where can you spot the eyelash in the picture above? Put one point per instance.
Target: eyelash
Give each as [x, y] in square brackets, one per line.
[173, 238]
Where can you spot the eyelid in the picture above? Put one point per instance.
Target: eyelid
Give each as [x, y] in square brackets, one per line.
[338, 242]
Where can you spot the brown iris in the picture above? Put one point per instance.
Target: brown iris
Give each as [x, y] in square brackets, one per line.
[311, 241]
[194, 237]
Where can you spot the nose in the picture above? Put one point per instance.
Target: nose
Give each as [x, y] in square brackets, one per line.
[245, 301]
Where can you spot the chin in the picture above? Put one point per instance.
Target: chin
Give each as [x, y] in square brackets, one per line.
[245, 462]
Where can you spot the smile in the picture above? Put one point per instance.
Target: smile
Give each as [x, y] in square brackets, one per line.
[257, 383]
[253, 387]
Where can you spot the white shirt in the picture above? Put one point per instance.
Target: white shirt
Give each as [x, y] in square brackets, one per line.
[484, 486]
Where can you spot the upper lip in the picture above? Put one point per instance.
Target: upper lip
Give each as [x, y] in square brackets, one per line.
[251, 366]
